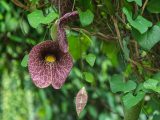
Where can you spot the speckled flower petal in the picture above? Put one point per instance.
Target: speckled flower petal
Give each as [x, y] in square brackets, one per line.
[45, 73]
[38, 70]
[62, 69]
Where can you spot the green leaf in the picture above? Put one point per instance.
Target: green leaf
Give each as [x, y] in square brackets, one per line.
[25, 61]
[54, 31]
[139, 2]
[152, 84]
[36, 17]
[90, 58]
[129, 100]
[153, 6]
[15, 38]
[86, 17]
[111, 51]
[148, 39]
[24, 27]
[140, 23]
[117, 84]
[78, 44]
[88, 77]
[5, 5]
[78, 72]
[92, 111]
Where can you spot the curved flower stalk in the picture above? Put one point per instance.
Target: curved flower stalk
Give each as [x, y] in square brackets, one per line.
[48, 65]
[62, 40]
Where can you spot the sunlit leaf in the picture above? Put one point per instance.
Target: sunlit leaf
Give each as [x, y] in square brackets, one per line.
[152, 84]
[36, 17]
[129, 100]
[140, 23]
[117, 84]
[90, 58]
[139, 2]
[86, 17]
[148, 39]
[88, 77]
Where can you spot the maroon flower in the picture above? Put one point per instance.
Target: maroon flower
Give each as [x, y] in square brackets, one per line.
[49, 65]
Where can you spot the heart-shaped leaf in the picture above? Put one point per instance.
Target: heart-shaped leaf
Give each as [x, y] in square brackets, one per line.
[36, 17]
[148, 39]
[140, 23]
[152, 84]
[90, 58]
[86, 17]
[117, 84]
[88, 77]
[129, 100]
[139, 2]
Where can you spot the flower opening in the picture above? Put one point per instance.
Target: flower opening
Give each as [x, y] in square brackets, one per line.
[48, 65]
[50, 58]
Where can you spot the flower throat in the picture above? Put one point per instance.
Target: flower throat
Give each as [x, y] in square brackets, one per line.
[50, 58]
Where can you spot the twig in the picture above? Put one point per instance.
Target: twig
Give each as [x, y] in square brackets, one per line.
[144, 5]
[73, 5]
[104, 37]
[19, 4]
[120, 19]
[146, 67]
[117, 31]
[59, 6]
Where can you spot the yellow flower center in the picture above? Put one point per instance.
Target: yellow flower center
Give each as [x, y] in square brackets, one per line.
[50, 58]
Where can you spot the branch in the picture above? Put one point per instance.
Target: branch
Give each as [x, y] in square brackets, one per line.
[106, 38]
[145, 66]
[144, 5]
[19, 4]
[117, 31]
